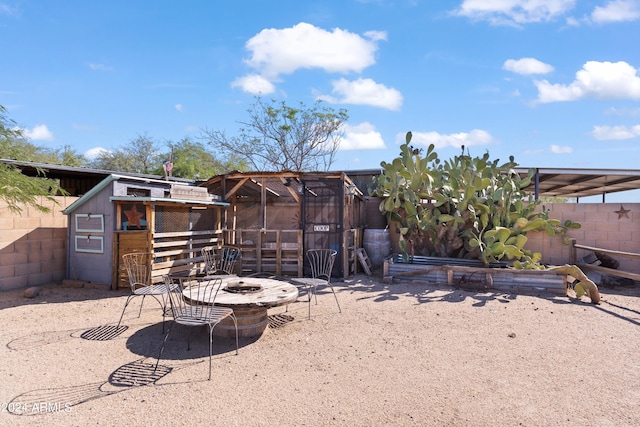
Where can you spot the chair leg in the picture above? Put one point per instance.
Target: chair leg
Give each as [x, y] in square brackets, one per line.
[140, 312]
[164, 311]
[211, 327]
[163, 306]
[129, 298]
[162, 347]
[336, 296]
[210, 347]
[189, 340]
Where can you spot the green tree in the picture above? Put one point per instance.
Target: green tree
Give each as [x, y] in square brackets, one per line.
[279, 137]
[192, 160]
[68, 156]
[141, 155]
[15, 188]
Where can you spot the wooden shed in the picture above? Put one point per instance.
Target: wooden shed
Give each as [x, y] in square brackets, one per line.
[124, 214]
[275, 217]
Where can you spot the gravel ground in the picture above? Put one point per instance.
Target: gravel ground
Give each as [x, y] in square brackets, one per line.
[397, 355]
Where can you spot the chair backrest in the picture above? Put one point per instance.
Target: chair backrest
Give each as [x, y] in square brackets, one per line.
[229, 256]
[138, 267]
[209, 255]
[191, 296]
[220, 261]
[321, 262]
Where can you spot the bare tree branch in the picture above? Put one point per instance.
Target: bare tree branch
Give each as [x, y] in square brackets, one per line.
[279, 137]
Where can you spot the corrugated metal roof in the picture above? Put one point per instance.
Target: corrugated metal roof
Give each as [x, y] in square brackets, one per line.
[569, 183]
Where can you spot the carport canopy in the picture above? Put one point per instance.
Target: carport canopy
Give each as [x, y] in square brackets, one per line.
[577, 183]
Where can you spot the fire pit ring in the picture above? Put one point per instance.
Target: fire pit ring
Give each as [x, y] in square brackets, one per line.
[241, 287]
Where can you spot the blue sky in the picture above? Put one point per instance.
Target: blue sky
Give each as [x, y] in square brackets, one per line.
[555, 83]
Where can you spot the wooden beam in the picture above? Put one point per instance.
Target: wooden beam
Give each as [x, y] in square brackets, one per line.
[608, 251]
[235, 188]
[290, 189]
[609, 271]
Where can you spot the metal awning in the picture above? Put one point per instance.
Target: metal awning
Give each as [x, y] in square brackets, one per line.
[577, 183]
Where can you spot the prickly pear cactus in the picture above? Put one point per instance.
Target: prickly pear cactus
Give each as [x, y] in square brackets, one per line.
[465, 207]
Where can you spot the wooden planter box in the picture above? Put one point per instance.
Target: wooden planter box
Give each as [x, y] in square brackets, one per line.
[476, 278]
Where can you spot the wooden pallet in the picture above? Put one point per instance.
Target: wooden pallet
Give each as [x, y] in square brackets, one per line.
[364, 260]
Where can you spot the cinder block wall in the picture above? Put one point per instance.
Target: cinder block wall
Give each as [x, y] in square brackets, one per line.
[33, 245]
[602, 227]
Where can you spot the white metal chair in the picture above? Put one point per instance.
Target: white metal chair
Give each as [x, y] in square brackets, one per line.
[138, 267]
[221, 261]
[192, 304]
[321, 263]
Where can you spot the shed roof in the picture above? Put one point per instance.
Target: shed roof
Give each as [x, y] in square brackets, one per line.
[113, 177]
[276, 185]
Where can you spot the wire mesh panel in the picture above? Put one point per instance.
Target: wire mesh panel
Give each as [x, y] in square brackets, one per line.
[171, 219]
[181, 218]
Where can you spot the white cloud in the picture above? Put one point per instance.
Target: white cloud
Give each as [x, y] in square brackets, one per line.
[572, 22]
[616, 11]
[38, 133]
[527, 66]
[254, 84]
[364, 92]
[601, 80]
[95, 152]
[514, 12]
[283, 51]
[361, 137]
[276, 52]
[8, 10]
[99, 67]
[606, 133]
[179, 107]
[622, 111]
[561, 149]
[468, 139]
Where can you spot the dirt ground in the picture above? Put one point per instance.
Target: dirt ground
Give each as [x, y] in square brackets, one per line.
[397, 355]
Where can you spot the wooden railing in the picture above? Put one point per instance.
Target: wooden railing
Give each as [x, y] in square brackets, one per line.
[281, 252]
[268, 251]
[605, 270]
[278, 252]
[174, 253]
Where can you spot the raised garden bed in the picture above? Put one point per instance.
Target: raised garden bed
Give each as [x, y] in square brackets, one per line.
[471, 275]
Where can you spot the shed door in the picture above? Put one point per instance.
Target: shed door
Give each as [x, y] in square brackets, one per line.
[322, 206]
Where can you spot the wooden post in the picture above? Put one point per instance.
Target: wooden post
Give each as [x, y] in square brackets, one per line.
[278, 253]
[300, 254]
[572, 251]
[260, 239]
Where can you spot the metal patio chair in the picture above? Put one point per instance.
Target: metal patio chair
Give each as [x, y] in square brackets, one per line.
[192, 304]
[138, 270]
[321, 262]
[220, 261]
